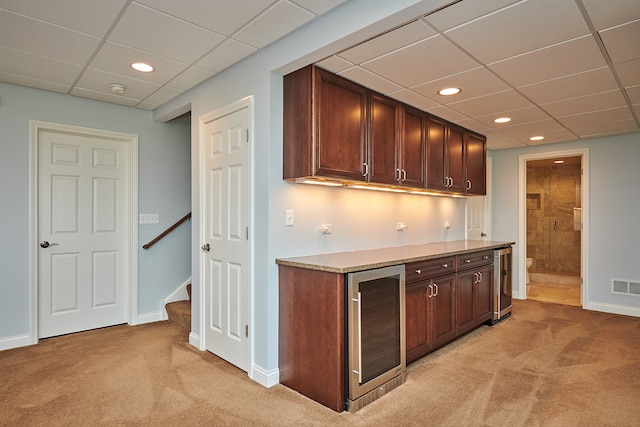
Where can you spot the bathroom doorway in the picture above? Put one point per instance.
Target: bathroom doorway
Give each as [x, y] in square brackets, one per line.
[552, 197]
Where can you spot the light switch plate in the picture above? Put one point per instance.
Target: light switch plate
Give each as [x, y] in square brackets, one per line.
[149, 218]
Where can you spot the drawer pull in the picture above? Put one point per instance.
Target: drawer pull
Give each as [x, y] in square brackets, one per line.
[486, 257]
[445, 265]
[418, 271]
[467, 260]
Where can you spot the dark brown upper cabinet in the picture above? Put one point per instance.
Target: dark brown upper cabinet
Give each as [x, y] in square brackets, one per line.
[337, 130]
[325, 120]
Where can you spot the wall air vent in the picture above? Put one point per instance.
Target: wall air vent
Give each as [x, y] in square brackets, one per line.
[625, 287]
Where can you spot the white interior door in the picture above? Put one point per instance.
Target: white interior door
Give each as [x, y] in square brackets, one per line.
[83, 185]
[226, 237]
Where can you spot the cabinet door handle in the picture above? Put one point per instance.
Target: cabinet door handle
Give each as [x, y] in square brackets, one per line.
[404, 175]
[435, 286]
[450, 182]
[398, 175]
[429, 291]
[480, 279]
[366, 169]
[475, 278]
[468, 185]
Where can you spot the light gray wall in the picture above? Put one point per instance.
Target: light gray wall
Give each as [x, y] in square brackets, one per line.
[163, 188]
[360, 219]
[613, 225]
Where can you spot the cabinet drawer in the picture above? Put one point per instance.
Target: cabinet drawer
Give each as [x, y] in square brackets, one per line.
[420, 270]
[474, 259]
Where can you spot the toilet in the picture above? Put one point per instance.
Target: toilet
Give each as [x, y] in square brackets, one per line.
[529, 263]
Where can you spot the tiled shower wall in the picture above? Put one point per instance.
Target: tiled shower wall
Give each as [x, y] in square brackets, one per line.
[553, 195]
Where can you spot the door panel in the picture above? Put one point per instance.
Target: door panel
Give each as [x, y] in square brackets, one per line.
[226, 221]
[83, 193]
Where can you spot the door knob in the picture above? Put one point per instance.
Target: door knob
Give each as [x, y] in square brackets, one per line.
[483, 234]
[206, 247]
[44, 244]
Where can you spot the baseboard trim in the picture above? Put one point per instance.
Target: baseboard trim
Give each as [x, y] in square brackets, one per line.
[265, 378]
[149, 317]
[613, 309]
[194, 340]
[15, 342]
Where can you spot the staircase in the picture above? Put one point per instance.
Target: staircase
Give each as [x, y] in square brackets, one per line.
[179, 312]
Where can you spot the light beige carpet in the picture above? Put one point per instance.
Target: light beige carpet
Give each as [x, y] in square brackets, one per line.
[547, 365]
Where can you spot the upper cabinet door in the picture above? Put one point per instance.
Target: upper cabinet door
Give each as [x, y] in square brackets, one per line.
[413, 148]
[436, 151]
[383, 140]
[340, 139]
[476, 164]
[455, 165]
[324, 126]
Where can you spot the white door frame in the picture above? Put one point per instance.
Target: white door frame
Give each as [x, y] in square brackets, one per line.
[131, 140]
[522, 217]
[203, 120]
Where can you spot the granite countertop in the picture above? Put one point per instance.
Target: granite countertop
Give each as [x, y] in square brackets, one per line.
[349, 262]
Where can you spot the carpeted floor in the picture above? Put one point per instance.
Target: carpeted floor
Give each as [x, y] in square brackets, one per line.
[547, 365]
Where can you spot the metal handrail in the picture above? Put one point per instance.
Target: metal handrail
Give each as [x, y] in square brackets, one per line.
[167, 231]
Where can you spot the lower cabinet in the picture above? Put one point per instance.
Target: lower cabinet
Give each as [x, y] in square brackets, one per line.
[473, 298]
[440, 309]
[430, 311]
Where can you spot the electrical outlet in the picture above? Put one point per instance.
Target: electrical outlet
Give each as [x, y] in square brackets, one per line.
[149, 218]
[447, 224]
[288, 217]
[401, 226]
[325, 228]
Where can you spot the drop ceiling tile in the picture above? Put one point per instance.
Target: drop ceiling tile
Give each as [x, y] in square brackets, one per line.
[598, 122]
[37, 67]
[559, 60]
[148, 30]
[524, 131]
[275, 23]
[420, 59]
[116, 58]
[335, 64]
[222, 17]
[491, 104]
[22, 80]
[599, 129]
[385, 43]
[224, 55]
[190, 77]
[520, 28]
[622, 42]
[464, 11]
[88, 16]
[370, 80]
[518, 116]
[45, 39]
[99, 81]
[474, 83]
[413, 99]
[474, 125]
[634, 94]
[101, 96]
[629, 73]
[500, 141]
[585, 104]
[447, 113]
[319, 7]
[158, 98]
[572, 86]
[605, 14]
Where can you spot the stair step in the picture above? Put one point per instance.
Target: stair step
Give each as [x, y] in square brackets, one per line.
[179, 312]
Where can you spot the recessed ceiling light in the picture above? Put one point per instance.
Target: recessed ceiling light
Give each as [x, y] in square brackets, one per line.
[449, 91]
[536, 138]
[503, 120]
[141, 66]
[558, 162]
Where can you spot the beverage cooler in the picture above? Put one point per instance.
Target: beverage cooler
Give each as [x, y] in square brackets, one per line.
[502, 276]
